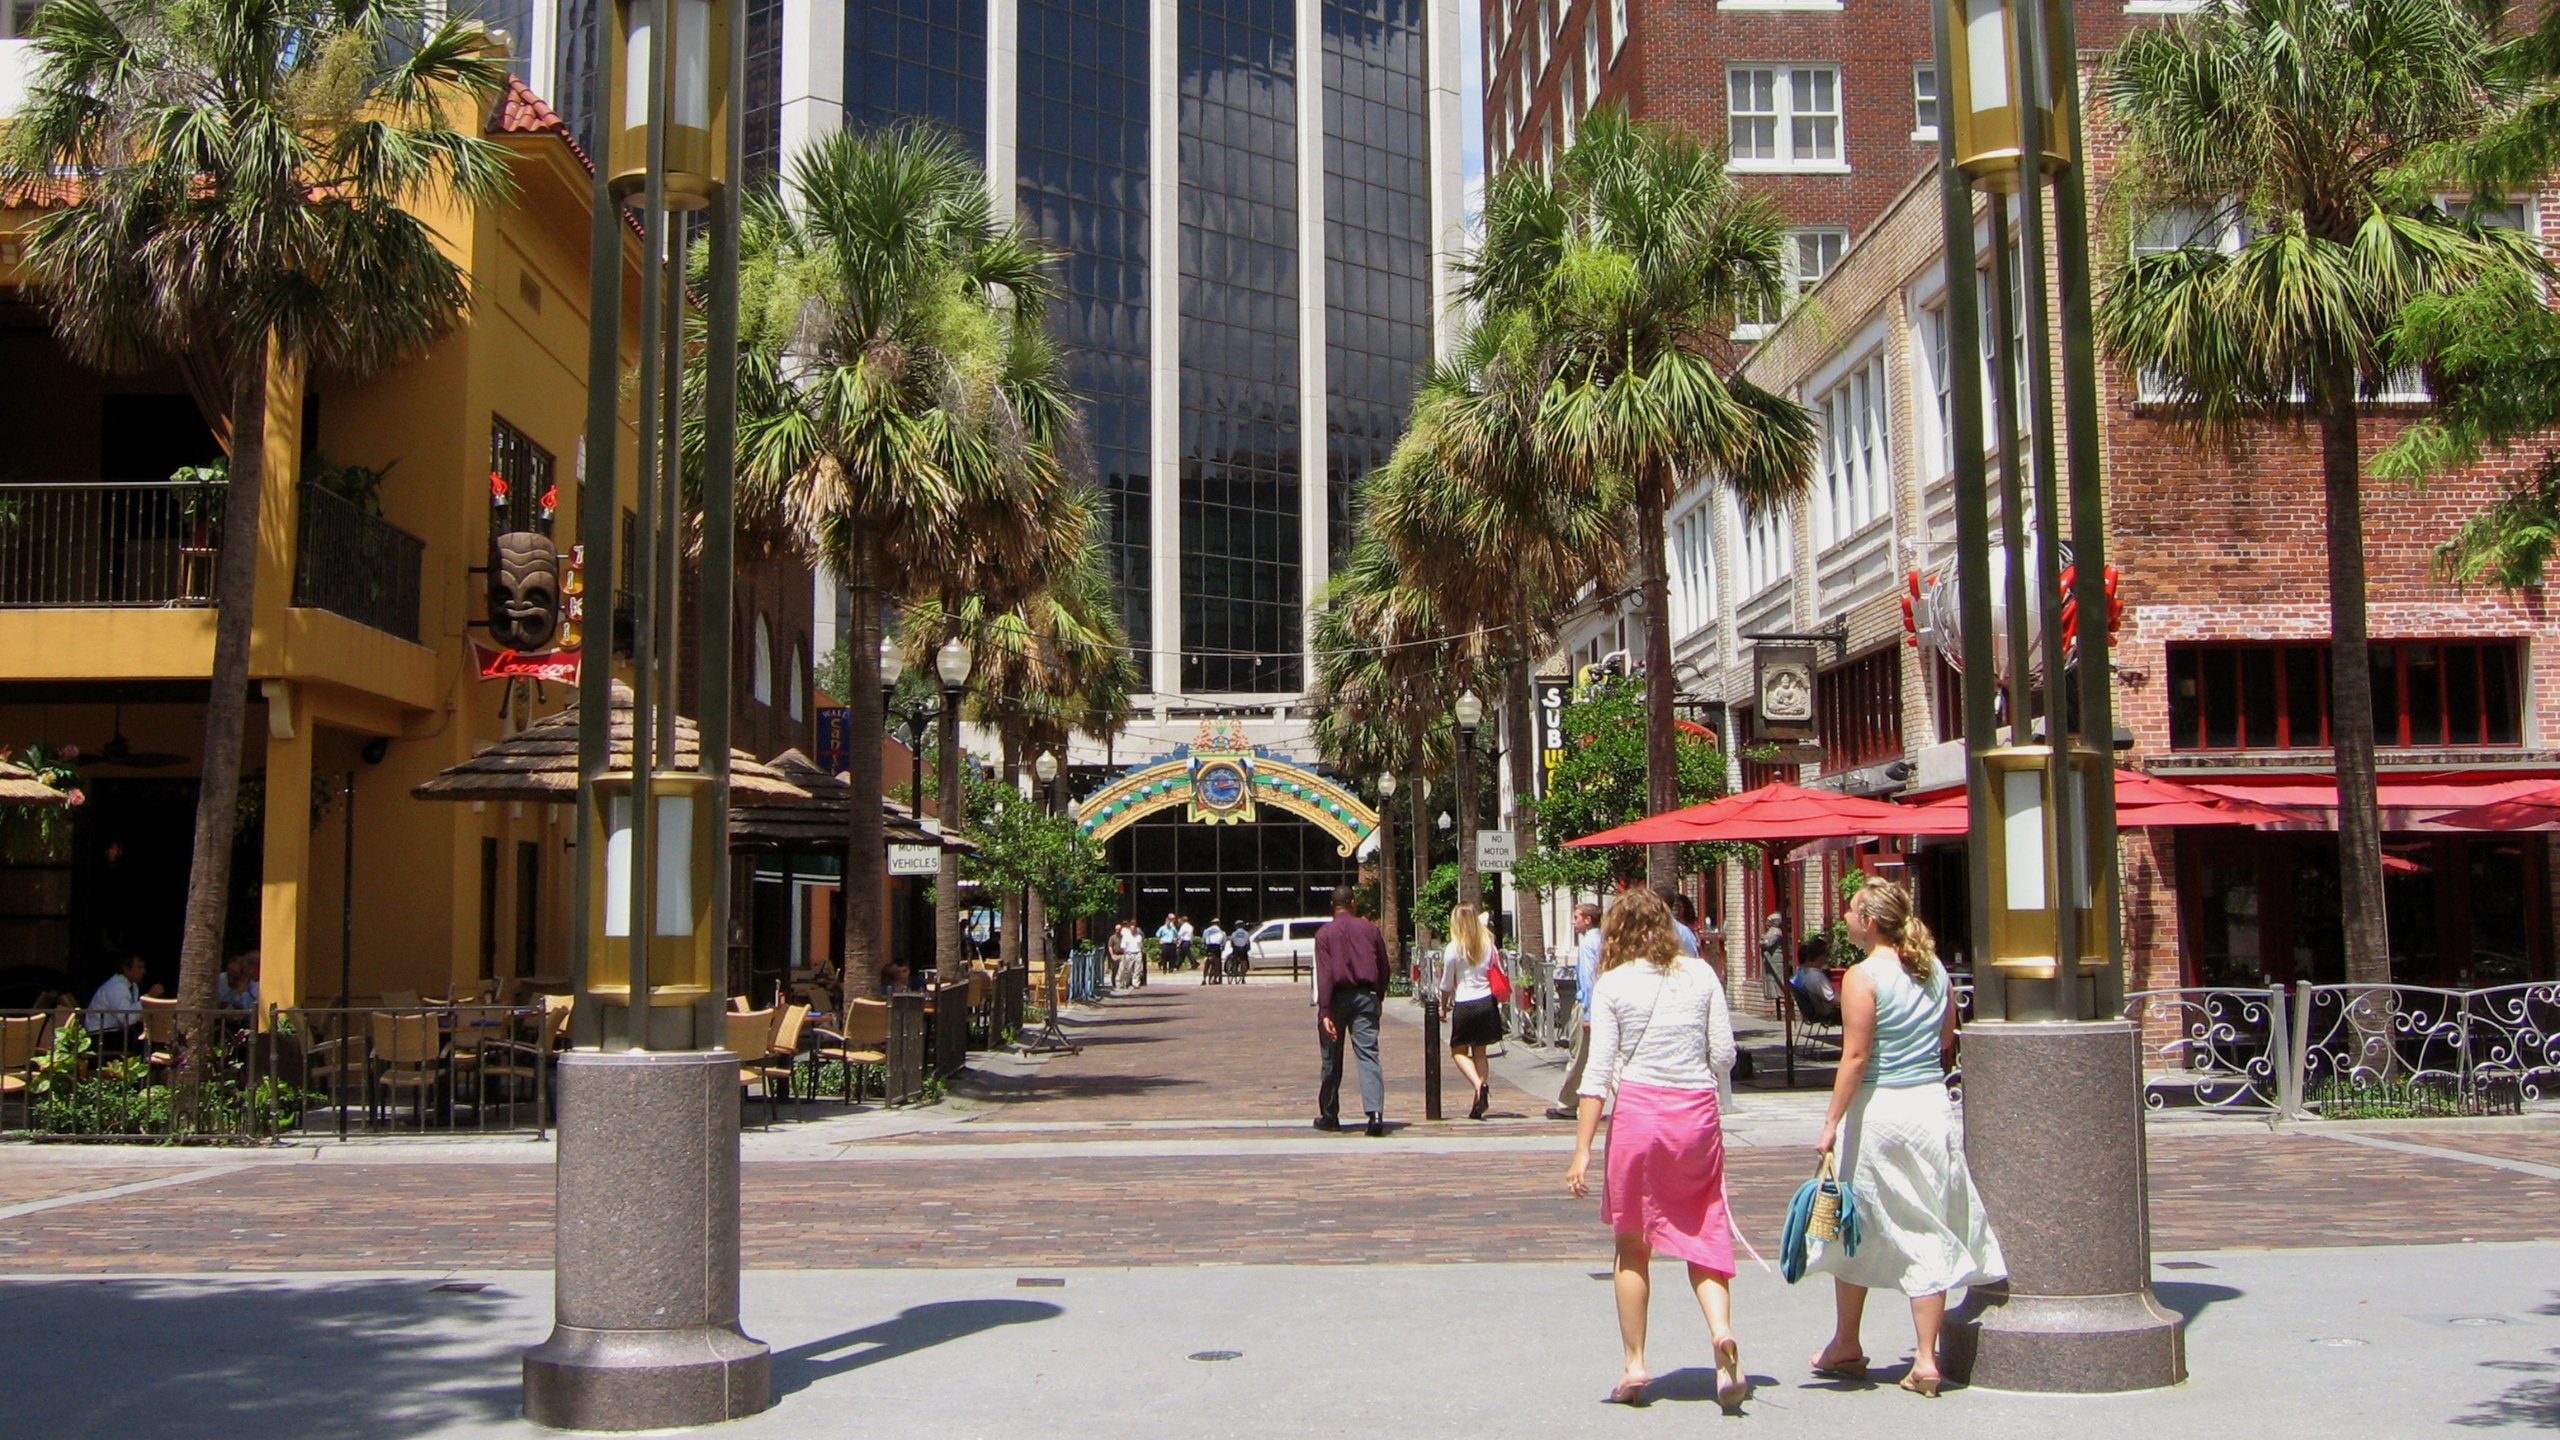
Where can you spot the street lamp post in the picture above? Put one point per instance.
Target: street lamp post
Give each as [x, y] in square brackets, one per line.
[1389, 918]
[950, 665]
[645, 1297]
[1469, 713]
[1426, 985]
[2053, 1079]
[1052, 1036]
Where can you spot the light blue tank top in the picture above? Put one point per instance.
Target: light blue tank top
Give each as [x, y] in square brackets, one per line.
[1908, 1014]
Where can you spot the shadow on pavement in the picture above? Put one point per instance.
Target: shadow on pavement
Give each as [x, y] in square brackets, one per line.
[2191, 1298]
[357, 1358]
[2532, 1402]
[919, 1327]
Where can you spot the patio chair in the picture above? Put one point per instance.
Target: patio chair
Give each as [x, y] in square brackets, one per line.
[750, 1035]
[529, 1053]
[864, 1041]
[407, 1051]
[982, 1004]
[402, 1000]
[782, 1055]
[159, 1032]
[21, 1040]
[333, 1055]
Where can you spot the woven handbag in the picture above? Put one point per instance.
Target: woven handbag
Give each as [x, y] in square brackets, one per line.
[1824, 1222]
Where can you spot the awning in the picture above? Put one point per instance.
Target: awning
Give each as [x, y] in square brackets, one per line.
[2146, 802]
[1777, 812]
[2408, 802]
[2538, 810]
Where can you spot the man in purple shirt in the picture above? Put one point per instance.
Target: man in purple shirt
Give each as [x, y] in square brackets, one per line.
[1351, 979]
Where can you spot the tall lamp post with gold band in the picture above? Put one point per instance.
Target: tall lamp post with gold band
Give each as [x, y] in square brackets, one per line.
[646, 1328]
[2052, 1073]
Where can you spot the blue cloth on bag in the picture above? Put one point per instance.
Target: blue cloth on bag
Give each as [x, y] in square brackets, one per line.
[1795, 1242]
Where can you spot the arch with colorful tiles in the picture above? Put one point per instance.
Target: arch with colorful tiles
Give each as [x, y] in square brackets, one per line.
[1226, 786]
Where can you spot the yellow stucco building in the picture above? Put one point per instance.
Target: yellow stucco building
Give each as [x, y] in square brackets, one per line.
[362, 663]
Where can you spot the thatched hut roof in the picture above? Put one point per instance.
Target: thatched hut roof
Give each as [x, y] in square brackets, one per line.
[819, 823]
[540, 763]
[19, 786]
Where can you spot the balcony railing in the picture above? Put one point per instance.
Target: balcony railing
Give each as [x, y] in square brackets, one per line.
[84, 543]
[357, 565]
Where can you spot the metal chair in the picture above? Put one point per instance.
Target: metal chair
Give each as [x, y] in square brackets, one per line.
[750, 1035]
[864, 1041]
[407, 1052]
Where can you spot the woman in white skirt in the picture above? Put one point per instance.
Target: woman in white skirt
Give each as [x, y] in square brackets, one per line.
[1922, 1229]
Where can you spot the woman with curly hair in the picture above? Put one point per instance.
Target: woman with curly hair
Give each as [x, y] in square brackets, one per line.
[1923, 1231]
[1661, 1048]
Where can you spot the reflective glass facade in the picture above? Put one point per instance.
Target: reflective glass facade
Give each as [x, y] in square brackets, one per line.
[1278, 868]
[917, 60]
[1082, 176]
[1241, 573]
[760, 110]
[1377, 237]
[576, 104]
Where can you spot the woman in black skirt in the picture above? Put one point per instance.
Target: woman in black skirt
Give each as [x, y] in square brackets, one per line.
[1475, 1018]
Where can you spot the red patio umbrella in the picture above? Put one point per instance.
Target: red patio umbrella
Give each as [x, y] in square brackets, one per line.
[2537, 810]
[1777, 812]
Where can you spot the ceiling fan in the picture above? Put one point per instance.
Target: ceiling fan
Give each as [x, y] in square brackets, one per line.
[119, 751]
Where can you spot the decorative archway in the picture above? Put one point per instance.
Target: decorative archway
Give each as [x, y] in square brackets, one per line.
[1222, 779]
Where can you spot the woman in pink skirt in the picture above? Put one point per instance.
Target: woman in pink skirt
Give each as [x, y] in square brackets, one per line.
[1661, 1045]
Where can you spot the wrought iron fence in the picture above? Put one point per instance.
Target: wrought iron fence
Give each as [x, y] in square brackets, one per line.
[2415, 1049]
[2218, 1049]
[88, 543]
[413, 1069]
[70, 1073]
[357, 565]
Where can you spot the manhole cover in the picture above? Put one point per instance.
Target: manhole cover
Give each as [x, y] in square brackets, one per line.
[2341, 1342]
[461, 1287]
[2184, 1265]
[1217, 1354]
[2478, 1320]
[1038, 1282]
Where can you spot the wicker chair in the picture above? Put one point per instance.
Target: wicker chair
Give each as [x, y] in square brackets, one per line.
[527, 1057]
[21, 1040]
[407, 1054]
[864, 1041]
[750, 1035]
[782, 1055]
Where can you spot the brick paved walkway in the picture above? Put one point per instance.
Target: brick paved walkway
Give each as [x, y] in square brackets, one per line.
[1361, 1201]
[1179, 1050]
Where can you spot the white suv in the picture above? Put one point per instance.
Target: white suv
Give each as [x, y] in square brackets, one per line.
[1287, 944]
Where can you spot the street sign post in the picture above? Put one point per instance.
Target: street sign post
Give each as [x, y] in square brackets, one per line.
[1495, 850]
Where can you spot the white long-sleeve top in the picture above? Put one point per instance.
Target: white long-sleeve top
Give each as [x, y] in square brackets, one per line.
[1672, 1025]
[1462, 980]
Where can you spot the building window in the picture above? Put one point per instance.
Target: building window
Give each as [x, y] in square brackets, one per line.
[795, 703]
[1617, 28]
[1857, 712]
[1924, 103]
[1591, 50]
[1853, 453]
[522, 495]
[1941, 391]
[1692, 566]
[2276, 696]
[1783, 116]
[1768, 548]
[761, 677]
[1807, 256]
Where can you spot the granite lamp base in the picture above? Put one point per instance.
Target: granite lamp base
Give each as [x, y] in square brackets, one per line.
[646, 1302]
[2054, 1135]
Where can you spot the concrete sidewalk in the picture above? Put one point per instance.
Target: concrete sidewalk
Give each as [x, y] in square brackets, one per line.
[2316, 1344]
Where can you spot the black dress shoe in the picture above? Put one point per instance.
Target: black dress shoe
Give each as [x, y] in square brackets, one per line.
[1484, 1097]
[1377, 1125]
[1327, 1122]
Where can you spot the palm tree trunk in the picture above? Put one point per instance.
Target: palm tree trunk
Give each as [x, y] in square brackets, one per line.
[866, 861]
[1520, 751]
[1012, 937]
[2361, 912]
[1661, 769]
[1421, 866]
[225, 712]
[1390, 911]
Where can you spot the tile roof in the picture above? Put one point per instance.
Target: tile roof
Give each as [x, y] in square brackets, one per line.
[521, 112]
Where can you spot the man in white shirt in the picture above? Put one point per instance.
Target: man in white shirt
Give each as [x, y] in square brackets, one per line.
[1183, 935]
[1213, 942]
[236, 988]
[1132, 947]
[117, 1005]
[1586, 973]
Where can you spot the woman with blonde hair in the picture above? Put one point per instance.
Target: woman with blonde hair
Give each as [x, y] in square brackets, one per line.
[1923, 1231]
[1661, 1047]
[1475, 1019]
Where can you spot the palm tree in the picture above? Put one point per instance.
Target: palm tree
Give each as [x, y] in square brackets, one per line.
[2281, 132]
[1630, 267]
[874, 427]
[244, 172]
[1466, 483]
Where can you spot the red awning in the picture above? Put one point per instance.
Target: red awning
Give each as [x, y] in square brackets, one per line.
[1777, 812]
[2146, 802]
[2534, 810]
[2408, 802]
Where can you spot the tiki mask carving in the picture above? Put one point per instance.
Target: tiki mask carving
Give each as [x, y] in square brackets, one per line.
[524, 590]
